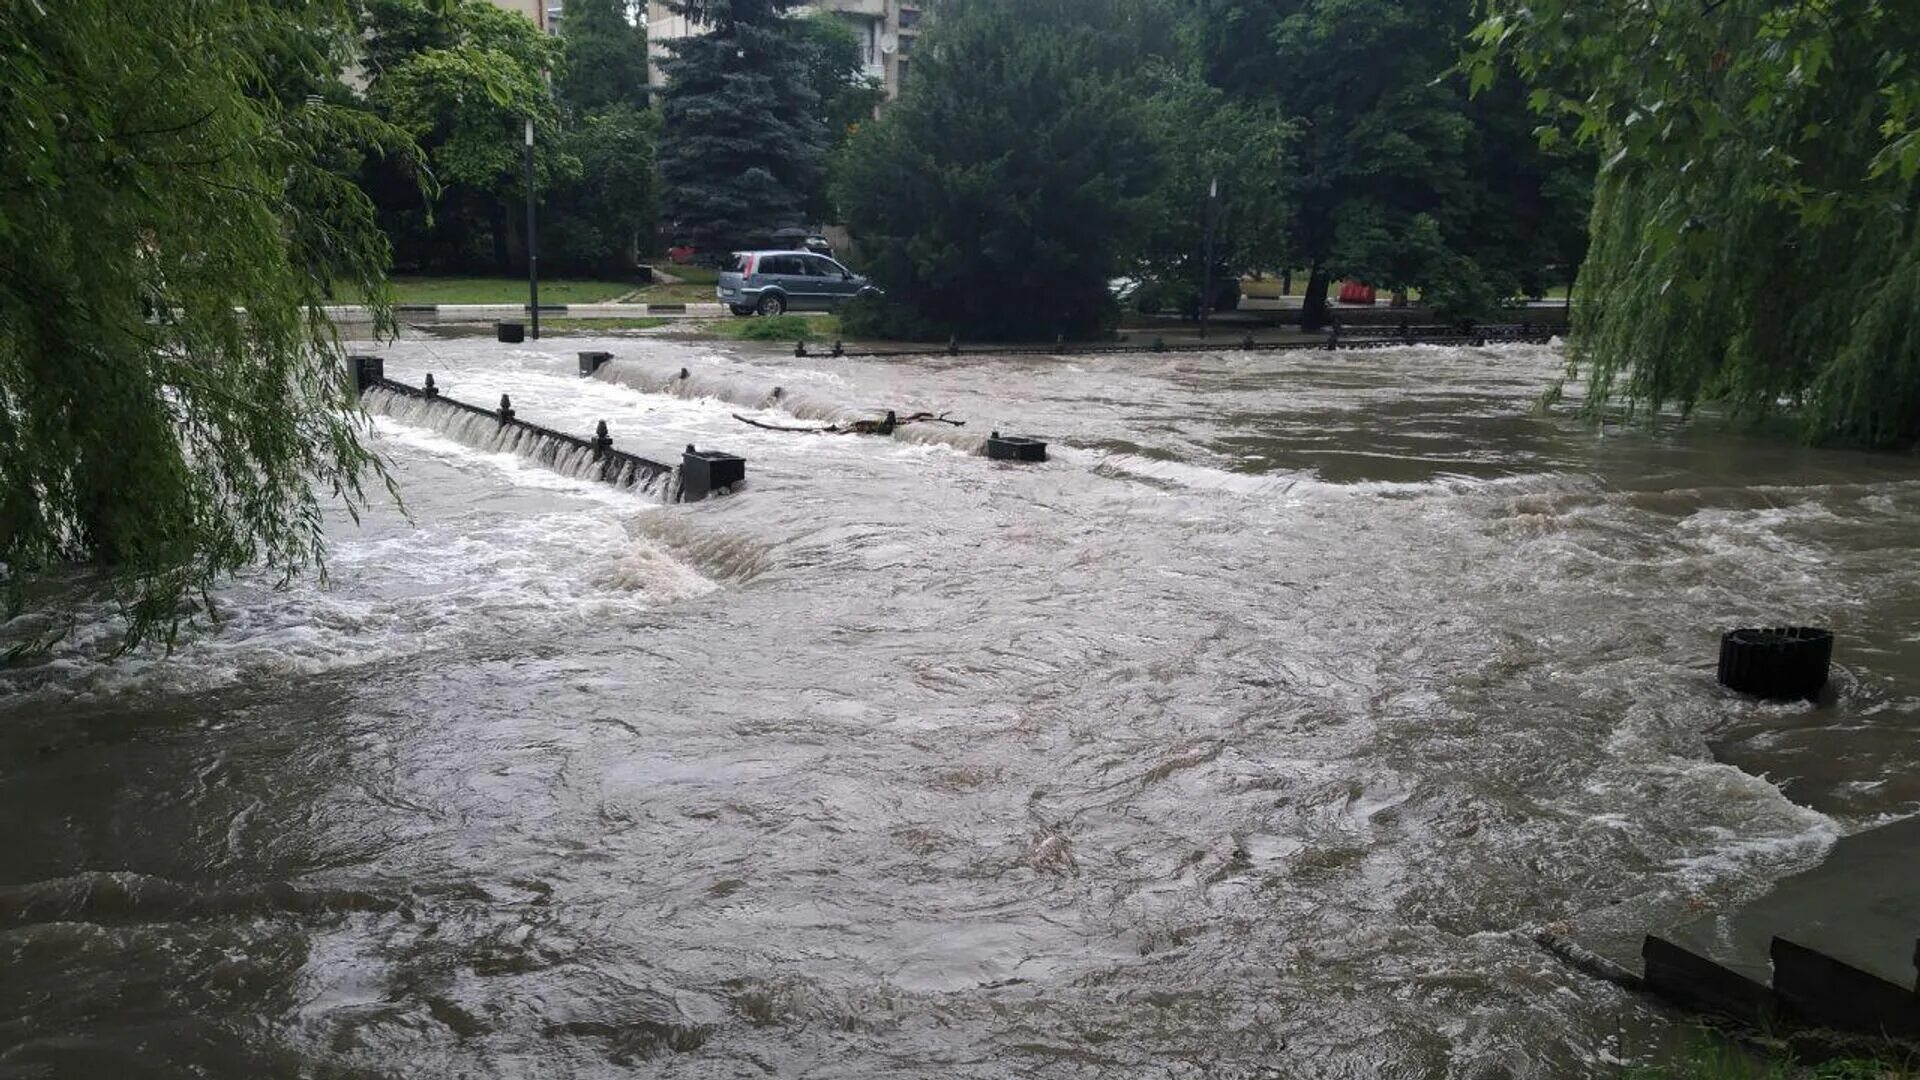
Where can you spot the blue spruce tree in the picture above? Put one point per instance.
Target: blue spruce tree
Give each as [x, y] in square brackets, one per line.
[742, 147]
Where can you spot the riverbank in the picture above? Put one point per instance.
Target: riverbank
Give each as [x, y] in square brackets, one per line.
[709, 321]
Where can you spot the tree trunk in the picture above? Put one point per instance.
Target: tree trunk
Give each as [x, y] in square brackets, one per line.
[1313, 312]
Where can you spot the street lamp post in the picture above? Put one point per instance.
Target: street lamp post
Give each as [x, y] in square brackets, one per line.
[533, 243]
[1206, 279]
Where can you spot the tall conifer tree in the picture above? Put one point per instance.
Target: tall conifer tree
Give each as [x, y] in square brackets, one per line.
[742, 147]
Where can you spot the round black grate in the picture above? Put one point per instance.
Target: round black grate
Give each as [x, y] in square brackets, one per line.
[1778, 663]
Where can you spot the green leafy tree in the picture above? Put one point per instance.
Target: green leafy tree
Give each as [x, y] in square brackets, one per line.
[837, 72]
[1394, 184]
[1226, 168]
[164, 172]
[606, 56]
[742, 147]
[1756, 231]
[1016, 175]
[1525, 216]
[462, 79]
[599, 220]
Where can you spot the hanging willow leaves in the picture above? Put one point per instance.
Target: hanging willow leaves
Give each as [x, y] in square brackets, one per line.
[172, 402]
[1755, 234]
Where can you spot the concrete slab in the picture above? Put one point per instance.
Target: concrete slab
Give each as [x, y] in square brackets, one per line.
[1861, 907]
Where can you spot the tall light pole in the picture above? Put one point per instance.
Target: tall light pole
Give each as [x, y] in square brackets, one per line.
[533, 243]
[1206, 279]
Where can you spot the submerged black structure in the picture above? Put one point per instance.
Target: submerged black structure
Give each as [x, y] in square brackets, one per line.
[1015, 448]
[367, 370]
[1809, 989]
[510, 333]
[1784, 663]
[703, 472]
[590, 362]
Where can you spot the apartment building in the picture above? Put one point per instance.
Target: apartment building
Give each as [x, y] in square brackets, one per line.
[887, 30]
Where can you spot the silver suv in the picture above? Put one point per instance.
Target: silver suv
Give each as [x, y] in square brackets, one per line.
[772, 282]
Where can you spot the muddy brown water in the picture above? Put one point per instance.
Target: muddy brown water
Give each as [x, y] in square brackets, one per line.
[1248, 737]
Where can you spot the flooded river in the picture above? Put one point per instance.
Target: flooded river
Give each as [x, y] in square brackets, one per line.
[1249, 737]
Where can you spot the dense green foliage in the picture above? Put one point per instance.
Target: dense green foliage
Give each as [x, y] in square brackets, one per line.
[463, 81]
[163, 168]
[1226, 168]
[1016, 175]
[1399, 178]
[605, 57]
[1047, 148]
[1755, 224]
[848, 95]
[601, 220]
[742, 149]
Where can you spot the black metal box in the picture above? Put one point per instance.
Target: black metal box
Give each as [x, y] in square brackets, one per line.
[703, 472]
[1015, 448]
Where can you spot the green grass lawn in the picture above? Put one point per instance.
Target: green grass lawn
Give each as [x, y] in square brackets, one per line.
[691, 293]
[420, 289]
[692, 275]
[786, 328]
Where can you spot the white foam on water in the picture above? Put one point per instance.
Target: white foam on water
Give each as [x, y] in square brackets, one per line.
[461, 571]
[1305, 486]
[519, 470]
[802, 398]
[643, 568]
[492, 436]
[1180, 473]
[1326, 741]
[398, 597]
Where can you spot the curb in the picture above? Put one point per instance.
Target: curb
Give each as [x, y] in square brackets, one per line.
[491, 312]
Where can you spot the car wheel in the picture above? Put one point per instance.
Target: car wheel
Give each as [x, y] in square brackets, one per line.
[771, 305]
[740, 309]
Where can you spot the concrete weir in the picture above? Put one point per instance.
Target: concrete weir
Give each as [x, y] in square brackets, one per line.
[700, 474]
[1835, 947]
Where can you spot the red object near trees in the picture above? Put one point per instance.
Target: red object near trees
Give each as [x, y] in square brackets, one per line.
[1352, 292]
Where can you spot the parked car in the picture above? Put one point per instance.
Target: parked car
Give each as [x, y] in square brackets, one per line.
[772, 282]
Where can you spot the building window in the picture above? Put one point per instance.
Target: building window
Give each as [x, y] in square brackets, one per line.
[900, 75]
[906, 44]
[909, 18]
